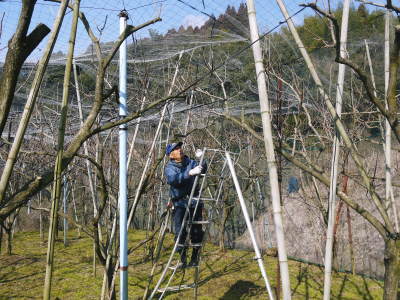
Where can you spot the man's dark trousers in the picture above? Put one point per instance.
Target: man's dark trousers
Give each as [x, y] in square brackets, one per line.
[196, 231]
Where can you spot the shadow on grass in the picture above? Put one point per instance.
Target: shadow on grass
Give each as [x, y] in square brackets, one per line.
[227, 269]
[241, 288]
[363, 292]
[35, 273]
[233, 267]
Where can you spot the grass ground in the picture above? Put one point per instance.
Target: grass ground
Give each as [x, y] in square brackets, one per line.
[230, 275]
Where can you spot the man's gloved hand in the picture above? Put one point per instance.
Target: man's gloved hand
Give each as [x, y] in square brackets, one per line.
[198, 153]
[196, 171]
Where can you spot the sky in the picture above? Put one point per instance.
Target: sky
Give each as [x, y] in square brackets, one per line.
[103, 17]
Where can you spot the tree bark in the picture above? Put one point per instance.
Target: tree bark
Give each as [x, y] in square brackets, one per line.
[9, 240]
[392, 269]
[20, 47]
[226, 211]
[1, 236]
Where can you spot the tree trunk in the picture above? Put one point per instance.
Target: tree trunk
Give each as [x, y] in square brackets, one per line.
[392, 269]
[110, 281]
[9, 240]
[20, 47]
[225, 215]
[1, 236]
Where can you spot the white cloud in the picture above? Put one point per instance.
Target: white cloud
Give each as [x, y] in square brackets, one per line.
[192, 20]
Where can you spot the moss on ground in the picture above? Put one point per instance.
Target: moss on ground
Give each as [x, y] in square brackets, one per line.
[230, 275]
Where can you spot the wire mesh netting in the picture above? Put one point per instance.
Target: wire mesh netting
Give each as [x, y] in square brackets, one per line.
[203, 47]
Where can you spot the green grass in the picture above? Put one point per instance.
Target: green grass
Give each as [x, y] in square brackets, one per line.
[230, 275]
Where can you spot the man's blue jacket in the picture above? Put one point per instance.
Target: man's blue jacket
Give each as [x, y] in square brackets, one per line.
[180, 181]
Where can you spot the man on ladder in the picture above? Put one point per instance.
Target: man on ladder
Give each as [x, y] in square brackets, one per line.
[180, 172]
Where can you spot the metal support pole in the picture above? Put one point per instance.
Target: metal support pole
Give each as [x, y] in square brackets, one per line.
[123, 198]
[249, 226]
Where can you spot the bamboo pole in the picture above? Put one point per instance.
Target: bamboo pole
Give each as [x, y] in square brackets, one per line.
[371, 69]
[30, 103]
[58, 165]
[388, 137]
[86, 151]
[40, 218]
[269, 149]
[132, 146]
[65, 208]
[149, 157]
[75, 210]
[335, 157]
[85, 146]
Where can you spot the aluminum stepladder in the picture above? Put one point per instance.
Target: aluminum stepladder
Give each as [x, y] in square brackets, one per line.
[188, 223]
[231, 170]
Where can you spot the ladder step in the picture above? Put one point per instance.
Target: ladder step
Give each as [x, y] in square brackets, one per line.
[200, 222]
[186, 267]
[176, 288]
[204, 199]
[191, 245]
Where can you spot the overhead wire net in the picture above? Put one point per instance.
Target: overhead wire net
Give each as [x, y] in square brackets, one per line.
[209, 35]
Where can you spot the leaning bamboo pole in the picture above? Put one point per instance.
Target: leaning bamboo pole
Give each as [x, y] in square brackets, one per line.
[335, 157]
[30, 103]
[65, 209]
[371, 69]
[269, 149]
[149, 157]
[132, 146]
[58, 168]
[86, 151]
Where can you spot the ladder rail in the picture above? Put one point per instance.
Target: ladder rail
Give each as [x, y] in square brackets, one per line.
[249, 226]
[159, 243]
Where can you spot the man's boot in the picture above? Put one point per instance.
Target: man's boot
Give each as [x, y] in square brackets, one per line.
[194, 260]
